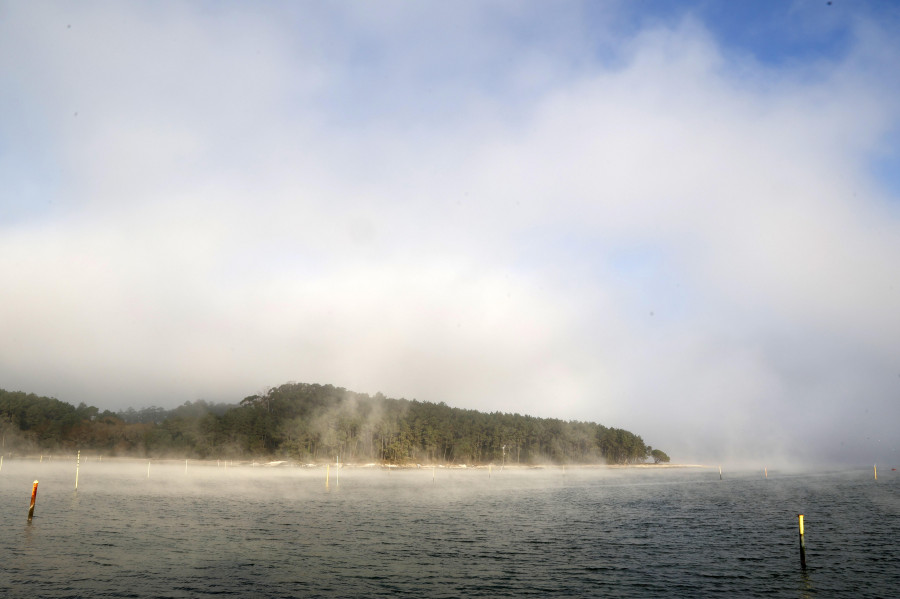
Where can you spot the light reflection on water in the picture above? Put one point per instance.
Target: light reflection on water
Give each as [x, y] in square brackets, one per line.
[281, 533]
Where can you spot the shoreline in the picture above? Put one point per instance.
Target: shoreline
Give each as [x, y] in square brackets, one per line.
[270, 463]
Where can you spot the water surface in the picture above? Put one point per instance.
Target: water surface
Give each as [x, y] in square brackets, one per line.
[279, 532]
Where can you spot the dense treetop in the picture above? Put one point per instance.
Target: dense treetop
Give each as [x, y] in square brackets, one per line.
[310, 422]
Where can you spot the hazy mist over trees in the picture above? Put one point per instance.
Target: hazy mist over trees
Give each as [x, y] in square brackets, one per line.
[309, 423]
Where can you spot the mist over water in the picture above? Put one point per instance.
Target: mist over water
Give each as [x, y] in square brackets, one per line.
[279, 532]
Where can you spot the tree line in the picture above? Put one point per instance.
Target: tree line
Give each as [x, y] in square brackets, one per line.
[313, 423]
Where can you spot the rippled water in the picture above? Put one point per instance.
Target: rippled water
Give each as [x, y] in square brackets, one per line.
[278, 532]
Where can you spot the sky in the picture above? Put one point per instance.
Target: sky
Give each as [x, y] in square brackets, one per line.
[682, 219]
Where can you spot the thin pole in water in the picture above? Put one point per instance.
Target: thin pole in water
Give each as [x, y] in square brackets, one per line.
[148, 468]
[802, 544]
[876, 471]
[327, 472]
[767, 471]
[337, 471]
[433, 469]
[33, 498]
[185, 466]
[77, 466]
[720, 472]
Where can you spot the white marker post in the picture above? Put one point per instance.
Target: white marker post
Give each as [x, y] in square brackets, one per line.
[77, 466]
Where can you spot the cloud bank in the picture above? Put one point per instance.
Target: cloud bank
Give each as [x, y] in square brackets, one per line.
[588, 215]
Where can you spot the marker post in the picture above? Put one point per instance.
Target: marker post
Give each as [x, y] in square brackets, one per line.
[33, 499]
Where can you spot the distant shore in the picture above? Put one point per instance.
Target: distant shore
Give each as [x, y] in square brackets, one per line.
[269, 462]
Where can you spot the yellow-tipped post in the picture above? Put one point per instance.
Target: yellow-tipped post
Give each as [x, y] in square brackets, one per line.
[802, 544]
[33, 499]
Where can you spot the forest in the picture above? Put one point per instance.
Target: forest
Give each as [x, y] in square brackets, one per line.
[312, 423]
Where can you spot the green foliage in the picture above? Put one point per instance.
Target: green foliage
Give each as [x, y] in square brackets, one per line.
[311, 422]
[658, 456]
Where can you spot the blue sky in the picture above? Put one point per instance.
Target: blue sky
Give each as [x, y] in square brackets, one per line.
[676, 218]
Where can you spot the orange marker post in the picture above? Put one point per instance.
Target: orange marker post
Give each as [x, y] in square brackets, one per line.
[33, 498]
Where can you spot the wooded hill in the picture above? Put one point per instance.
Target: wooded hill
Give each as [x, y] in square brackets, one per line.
[309, 423]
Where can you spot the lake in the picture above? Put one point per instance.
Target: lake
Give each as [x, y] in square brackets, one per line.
[208, 530]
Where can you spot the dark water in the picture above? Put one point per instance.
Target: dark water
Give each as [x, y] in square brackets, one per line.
[266, 532]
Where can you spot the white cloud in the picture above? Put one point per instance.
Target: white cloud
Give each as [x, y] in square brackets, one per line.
[680, 241]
